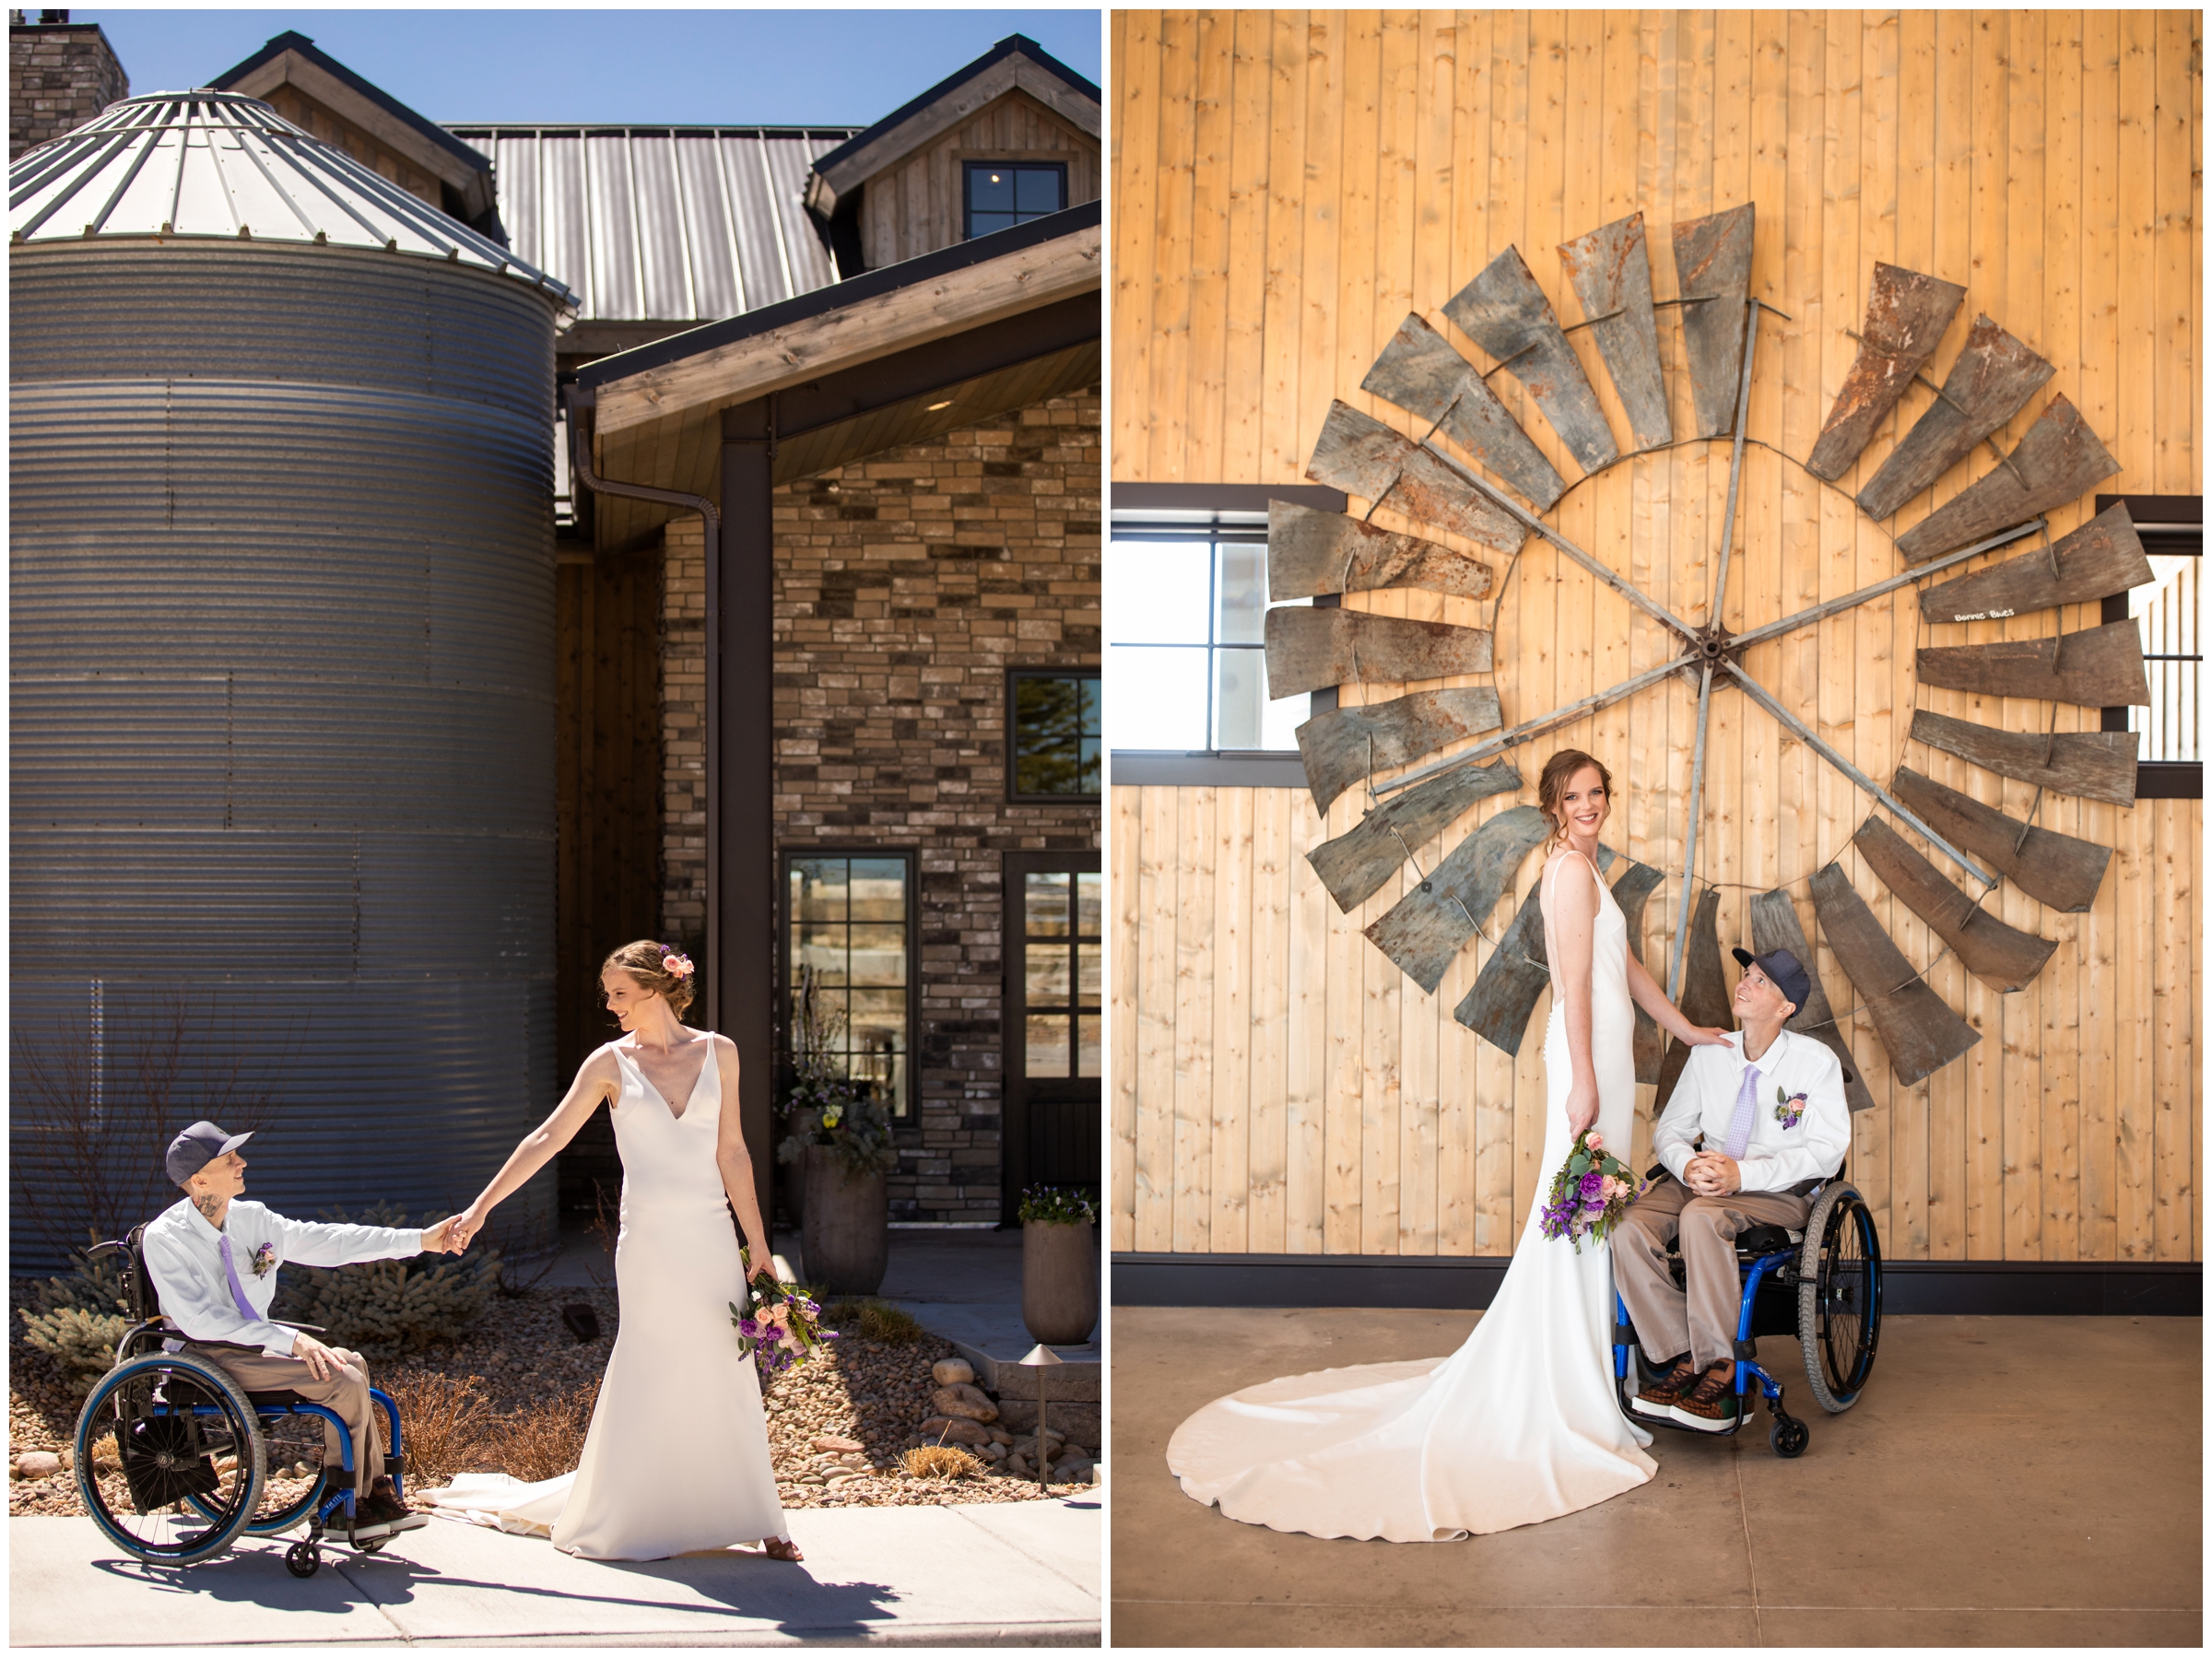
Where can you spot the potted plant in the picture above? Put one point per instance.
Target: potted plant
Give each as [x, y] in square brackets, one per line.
[839, 1143]
[1059, 1264]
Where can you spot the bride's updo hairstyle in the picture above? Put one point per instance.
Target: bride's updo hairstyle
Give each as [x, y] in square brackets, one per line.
[1559, 770]
[655, 967]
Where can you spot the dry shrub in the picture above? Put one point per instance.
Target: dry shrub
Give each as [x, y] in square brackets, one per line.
[545, 1439]
[443, 1420]
[941, 1461]
[875, 1319]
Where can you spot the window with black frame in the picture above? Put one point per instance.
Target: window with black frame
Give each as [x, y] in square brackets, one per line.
[2170, 752]
[1185, 616]
[1054, 1053]
[1001, 194]
[848, 924]
[1053, 725]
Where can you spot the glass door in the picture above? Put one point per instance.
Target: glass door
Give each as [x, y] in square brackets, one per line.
[1054, 1020]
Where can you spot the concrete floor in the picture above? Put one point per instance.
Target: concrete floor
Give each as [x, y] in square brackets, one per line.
[2002, 1481]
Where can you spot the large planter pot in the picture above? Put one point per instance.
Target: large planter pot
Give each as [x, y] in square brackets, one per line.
[1059, 1281]
[845, 1228]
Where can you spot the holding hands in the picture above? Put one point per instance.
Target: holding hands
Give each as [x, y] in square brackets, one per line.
[450, 1236]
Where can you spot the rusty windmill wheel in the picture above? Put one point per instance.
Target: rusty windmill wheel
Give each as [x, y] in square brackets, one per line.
[1497, 498]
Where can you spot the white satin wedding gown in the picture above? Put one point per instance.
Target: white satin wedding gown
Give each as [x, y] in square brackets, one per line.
[677, 1458]
[1521, 1424]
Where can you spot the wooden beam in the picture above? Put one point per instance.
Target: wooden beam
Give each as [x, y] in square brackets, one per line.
[861, 332]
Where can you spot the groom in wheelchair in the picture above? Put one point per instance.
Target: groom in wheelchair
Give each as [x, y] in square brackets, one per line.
[213, 1262]
[1770, 1108]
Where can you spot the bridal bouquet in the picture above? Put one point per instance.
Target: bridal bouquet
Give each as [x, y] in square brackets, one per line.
[1588, 1194]
[783, 1329]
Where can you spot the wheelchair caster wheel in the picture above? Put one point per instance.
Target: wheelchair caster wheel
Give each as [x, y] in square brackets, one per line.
[302, 1558]
[1789, 1436]
[370, 1547]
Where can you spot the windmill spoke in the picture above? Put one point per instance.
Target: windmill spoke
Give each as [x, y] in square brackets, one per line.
[1697, 788]
[1790, 624]
[1529, 521]
[1736, 472]
[1804, 733]
[1537, 727]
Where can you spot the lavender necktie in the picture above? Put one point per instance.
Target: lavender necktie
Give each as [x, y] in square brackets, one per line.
[238, 1289]
[1739, 1125]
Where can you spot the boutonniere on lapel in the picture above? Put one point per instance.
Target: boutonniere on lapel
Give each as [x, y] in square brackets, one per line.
[264, 1260]
[1788, 1107]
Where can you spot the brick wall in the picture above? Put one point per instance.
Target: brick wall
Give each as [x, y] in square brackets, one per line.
[59, 76]
[906, 585]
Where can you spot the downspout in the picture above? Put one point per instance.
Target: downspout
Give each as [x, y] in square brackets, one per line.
[579, 465]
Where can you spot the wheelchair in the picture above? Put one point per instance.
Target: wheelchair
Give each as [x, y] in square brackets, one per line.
[1822, 1286]
[175, 1462]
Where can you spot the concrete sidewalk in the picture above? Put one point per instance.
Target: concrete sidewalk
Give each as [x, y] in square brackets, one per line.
[1022, 1573]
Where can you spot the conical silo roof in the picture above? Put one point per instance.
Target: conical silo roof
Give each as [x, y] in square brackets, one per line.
[217, 164]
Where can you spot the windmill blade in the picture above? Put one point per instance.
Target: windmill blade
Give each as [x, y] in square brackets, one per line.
[1919, 1034]
[1503, 997]
[2099, 667]
[1425, 928]
[1704, 992]
[1774, 926]
[1361, 457]
[1630, 891]
[1354, 865]
[2002, 957]
[1611, 271]
[2059, 460]
[1991, 380]
[2103, 556]
[2054, 869]
[1906, 314]
[1419, 371]
[1311, 650]
[1712, 265]
[1506, 313]
[2093, 764]
[1311, 553]
[1346, 745]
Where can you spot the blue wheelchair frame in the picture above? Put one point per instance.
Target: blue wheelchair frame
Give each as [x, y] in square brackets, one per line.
[1747, 1366]
[349, 1487]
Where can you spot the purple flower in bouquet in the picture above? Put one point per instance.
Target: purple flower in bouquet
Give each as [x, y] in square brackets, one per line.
[1594, 1184]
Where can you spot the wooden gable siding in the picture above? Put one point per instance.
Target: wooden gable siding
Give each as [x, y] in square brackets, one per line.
[915, 207]
[1287, 187]
[302, 111]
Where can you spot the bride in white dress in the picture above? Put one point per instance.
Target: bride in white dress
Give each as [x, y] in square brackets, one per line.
[1521, 1424]
[677, 1458]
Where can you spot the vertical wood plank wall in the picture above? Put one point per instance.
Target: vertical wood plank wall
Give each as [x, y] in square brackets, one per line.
[1287, 186]
[917, 207]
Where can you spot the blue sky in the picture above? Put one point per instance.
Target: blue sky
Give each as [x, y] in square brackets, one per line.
[824, 66]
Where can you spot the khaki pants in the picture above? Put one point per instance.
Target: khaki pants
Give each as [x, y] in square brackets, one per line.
[1700, 1319]
[346, 1391]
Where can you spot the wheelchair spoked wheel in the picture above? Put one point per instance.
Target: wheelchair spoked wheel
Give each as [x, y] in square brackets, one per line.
[294, 1480]
[1839, 1297]
[168, 1463]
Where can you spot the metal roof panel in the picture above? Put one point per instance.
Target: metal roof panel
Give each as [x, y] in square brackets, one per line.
[656, 224]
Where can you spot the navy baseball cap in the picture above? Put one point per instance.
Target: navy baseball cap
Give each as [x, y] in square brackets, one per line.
[1783, 971]
[198, 1146]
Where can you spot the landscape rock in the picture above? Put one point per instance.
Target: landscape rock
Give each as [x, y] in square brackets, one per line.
[38, 1464]
[952, 1371]
[964, 1400]
[841, 1446]
[954, 1429]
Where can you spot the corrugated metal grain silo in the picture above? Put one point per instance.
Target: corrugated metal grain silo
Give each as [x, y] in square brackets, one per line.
[281, 661]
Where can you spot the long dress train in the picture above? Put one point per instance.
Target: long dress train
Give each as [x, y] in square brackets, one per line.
[1521, 1424]
[677, 1458]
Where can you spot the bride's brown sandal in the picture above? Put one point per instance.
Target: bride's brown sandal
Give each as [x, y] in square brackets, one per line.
[783, 1548]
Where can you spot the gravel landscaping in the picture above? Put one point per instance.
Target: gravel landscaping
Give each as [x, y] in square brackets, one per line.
[837, 1429]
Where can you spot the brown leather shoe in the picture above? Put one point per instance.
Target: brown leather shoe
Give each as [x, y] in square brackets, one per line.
[1711, 1405]
[1658, 1399]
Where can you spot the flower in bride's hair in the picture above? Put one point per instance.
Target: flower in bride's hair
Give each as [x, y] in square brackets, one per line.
[678, 966]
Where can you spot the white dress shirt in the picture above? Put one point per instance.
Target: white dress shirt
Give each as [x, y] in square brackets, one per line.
[184, 1256]
[1777, 1158]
